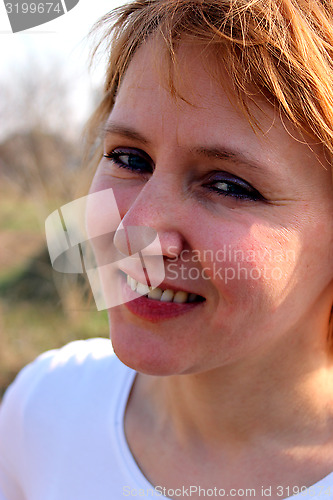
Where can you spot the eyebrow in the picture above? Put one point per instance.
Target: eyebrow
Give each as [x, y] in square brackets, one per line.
[219, 153]
[113, 128]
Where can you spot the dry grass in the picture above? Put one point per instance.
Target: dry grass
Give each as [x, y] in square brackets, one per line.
[29, 324]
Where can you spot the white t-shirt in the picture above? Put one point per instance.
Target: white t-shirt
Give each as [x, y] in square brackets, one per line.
[62, 434]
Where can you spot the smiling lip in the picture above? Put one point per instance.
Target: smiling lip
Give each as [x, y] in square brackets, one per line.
[154, 310]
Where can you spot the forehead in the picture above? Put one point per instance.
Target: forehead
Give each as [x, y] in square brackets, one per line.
[203, 110]
[187, 80]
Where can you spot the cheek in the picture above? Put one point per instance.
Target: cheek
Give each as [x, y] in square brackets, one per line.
[253, 266]
[124, 193]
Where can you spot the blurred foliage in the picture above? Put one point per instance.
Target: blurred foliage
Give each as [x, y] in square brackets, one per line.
[38, 309]
[45, 166]
[40, 170]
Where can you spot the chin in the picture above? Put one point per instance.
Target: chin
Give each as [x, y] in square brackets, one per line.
[143, 350]
[145, 361]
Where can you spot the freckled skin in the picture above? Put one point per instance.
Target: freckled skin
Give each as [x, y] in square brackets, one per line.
[277, 300]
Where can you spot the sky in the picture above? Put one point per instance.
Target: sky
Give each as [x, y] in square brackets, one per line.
[62, 40]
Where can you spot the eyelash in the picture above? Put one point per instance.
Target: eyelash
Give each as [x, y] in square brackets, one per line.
[245, 190]
[115, 157]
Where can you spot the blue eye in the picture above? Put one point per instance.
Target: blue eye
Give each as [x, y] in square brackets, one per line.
[221, 183]
[135, 161]
[234, 187]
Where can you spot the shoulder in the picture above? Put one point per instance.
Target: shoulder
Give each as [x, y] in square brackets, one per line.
[62, 402]
[58, 363]
[79, 371]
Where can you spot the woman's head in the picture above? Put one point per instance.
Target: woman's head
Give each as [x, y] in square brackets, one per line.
[243, 213]
[279, 49]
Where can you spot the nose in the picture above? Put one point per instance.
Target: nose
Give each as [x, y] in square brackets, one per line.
[154, 210]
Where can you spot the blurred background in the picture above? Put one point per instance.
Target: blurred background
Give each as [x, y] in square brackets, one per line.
[47, 94]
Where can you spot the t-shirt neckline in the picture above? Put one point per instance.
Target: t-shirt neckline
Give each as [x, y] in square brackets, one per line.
[139, 480]
[321, 490]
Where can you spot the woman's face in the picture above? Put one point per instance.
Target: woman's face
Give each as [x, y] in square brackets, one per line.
[244, 220]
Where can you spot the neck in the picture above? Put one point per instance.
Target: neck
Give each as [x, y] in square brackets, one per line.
[281, 397]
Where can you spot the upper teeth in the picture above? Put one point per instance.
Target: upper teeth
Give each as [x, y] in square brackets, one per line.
[158, 294]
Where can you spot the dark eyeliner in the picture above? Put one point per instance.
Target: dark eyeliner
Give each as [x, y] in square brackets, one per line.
[144, 165]
[236, 188]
